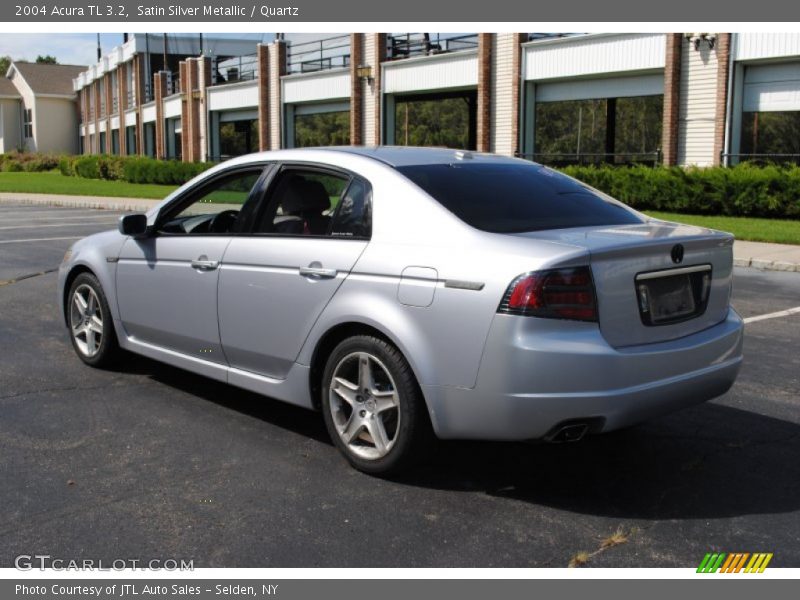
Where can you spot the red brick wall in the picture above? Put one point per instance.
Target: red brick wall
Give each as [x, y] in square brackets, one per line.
[672, 86]
[723, 48]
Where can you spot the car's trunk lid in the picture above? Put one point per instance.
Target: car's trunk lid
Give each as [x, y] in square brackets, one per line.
[650, 279]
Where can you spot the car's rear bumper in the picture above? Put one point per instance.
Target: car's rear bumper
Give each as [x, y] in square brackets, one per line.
[537, 374]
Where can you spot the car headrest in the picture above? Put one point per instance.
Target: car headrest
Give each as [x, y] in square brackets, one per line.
[304, 195]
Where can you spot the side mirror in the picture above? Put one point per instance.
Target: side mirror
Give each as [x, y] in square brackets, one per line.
[133, 225]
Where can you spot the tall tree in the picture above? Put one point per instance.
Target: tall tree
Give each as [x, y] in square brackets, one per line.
[5, 62]
[46, 60]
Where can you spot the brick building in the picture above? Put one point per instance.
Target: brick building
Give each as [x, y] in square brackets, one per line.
[686, 99]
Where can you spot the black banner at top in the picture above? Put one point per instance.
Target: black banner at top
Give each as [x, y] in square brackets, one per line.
[366, 11]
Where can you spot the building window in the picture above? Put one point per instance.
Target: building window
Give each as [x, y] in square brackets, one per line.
[322, 129]
[130, 140]
[237, 138]
[115, 141]
[602, 130]
[27, 122]
[448, 120]
[771, 136]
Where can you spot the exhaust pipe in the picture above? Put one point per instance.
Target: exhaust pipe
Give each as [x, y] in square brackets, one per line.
[569, 433]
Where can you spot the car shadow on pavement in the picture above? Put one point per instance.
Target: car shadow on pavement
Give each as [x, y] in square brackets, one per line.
[706, 461]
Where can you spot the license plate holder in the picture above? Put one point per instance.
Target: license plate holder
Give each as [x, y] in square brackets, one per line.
[670, 298]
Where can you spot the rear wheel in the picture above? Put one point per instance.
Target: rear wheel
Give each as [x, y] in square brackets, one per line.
[373, 409]
[91, 330]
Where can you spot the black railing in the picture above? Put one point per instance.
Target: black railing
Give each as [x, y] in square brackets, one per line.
[405, 45]
[318, 55]
[175, 86]
[766, 158]
[130, 100]
[236, 68]
[563, 159]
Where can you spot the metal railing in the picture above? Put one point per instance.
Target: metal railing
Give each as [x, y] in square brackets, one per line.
[237, 68]
[175, 87]
[130, 100]
[114, 105]
[563, 159]
[405, 45]
[318, 55]
[765, 158]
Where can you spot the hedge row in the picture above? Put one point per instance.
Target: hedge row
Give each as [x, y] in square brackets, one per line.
[13, 162]
[133, 169]
[743, 190]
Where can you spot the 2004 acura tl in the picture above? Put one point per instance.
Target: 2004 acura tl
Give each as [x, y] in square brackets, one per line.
[410, 292]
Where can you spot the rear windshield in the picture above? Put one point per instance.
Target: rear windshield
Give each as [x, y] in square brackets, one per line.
[513, 198]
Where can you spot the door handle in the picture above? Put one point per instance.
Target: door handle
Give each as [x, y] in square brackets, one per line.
[318, 272]
[202, 263]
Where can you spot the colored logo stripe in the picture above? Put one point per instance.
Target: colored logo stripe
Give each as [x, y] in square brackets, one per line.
[734, 562]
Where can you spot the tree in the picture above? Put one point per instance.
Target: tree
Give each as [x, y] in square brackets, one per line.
[5, 62]
[46, 60]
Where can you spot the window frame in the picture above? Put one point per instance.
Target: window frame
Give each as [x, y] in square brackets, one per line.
[270, 183]
[198, 190]
[27, 123]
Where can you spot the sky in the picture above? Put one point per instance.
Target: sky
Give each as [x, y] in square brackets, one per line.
[80, 48]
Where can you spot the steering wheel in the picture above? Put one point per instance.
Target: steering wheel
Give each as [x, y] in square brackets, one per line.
[222, 222]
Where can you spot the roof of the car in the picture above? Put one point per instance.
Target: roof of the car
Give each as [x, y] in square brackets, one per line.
[402, 156]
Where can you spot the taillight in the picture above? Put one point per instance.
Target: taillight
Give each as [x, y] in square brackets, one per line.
[554, 294]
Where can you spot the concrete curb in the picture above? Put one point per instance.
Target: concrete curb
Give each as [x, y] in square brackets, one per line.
[766, 265]
[95, 202]
[756, 255]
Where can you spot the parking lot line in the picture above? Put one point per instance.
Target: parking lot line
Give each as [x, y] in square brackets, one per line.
[69, 237]
[774, 315]
[69, 218]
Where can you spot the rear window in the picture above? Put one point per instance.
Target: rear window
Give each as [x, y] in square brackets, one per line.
[513, 198]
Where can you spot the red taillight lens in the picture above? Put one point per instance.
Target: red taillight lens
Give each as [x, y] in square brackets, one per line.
[554, 294]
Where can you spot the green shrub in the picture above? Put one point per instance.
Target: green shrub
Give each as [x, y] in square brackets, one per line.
[744, 190]
[87, 166]
[12, 166]
[66, 165]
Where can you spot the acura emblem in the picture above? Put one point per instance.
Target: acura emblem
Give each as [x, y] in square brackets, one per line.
[677, 253]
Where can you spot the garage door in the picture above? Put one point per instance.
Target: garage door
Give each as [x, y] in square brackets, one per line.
[772, 88]
[608, 87]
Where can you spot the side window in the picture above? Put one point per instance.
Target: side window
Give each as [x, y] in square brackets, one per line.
[353, 218]
[214, 208]
[301, 202]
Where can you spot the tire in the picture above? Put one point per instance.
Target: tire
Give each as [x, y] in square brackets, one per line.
[381, 427]
[88, 319]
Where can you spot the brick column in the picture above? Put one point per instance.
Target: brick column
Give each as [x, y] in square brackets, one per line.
[203, 83]
[356, 89]
[160, 89]
[723, 48]
[262, 54]
[138, 83]
[506, 82]
[374, 52]
[85, 103]
[122, 99]
[277, 68]
[190, 105]
[672, 91]
[97, 95]
[109, 110]
[485, 42]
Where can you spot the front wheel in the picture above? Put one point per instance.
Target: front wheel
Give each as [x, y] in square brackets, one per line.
[90, 323]
[373, 409]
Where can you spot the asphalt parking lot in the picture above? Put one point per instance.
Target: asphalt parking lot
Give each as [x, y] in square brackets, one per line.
[148, 461]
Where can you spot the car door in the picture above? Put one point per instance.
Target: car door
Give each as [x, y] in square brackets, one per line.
[167, 281]
[275, 282]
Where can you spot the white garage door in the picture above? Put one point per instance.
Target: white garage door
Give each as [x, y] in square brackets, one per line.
[611, 87]
[771, 88]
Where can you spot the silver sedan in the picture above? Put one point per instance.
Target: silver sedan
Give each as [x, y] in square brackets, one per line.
[410, 294]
